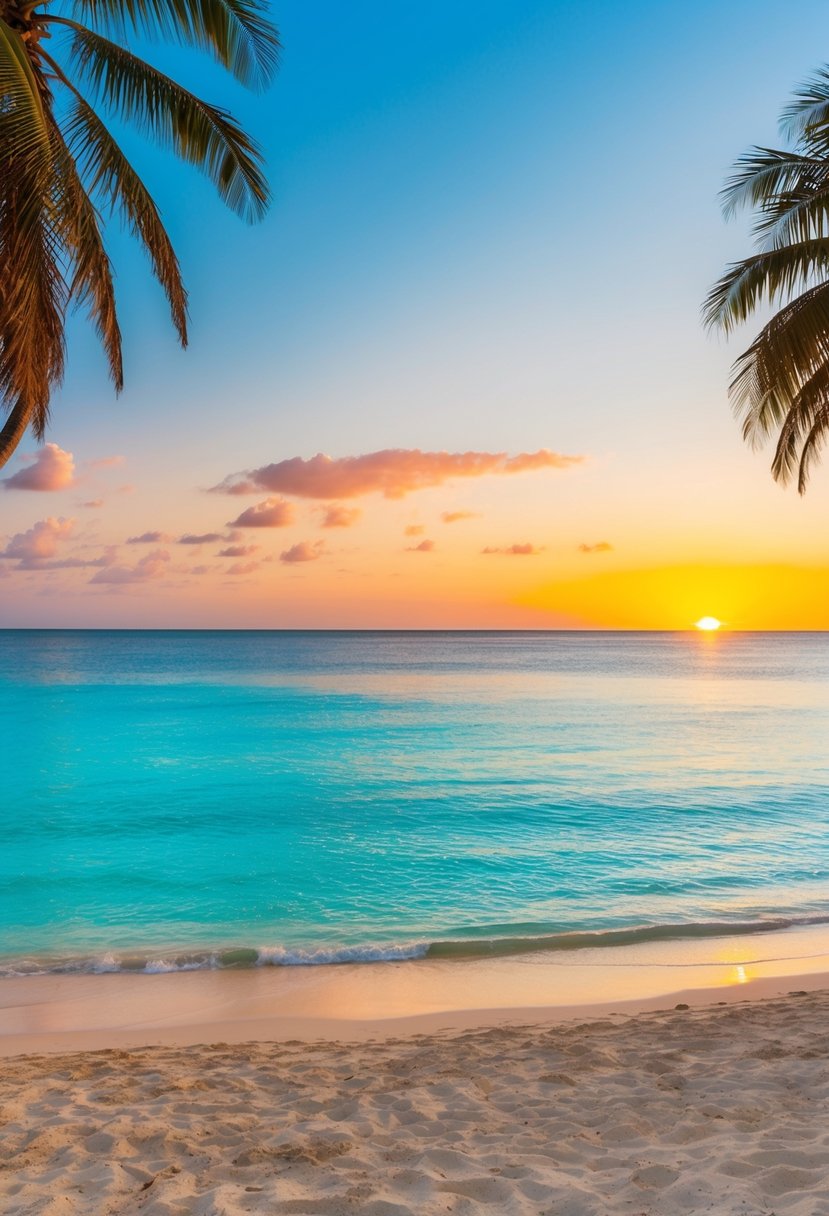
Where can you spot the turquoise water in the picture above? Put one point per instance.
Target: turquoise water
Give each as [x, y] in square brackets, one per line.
[199, 799]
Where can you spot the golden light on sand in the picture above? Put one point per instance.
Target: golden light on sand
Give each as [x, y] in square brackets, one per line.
[707, 623]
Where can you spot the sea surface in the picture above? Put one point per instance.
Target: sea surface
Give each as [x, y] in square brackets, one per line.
[202, 799]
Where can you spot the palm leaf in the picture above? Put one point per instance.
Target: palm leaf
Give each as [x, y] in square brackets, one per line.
[236, 32]
[24, 133]
[115, 181]
[806, 118]
[32, 304]
[196, 131]
[77, 225]
[763, 278]
[798, 423]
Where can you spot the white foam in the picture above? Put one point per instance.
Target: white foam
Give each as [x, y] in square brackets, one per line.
[282, 956]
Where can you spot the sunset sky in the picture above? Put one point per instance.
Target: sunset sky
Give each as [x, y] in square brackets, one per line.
[457, 378]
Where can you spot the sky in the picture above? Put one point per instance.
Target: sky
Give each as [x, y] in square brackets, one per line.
[457, 377]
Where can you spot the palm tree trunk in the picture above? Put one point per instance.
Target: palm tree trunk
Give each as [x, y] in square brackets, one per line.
[14, 430]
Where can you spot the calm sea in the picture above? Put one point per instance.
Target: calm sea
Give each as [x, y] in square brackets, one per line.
[178, 799]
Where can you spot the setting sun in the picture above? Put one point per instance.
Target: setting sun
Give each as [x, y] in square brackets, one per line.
[708, 623]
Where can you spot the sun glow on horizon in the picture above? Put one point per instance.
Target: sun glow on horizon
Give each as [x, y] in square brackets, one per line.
[708, 624]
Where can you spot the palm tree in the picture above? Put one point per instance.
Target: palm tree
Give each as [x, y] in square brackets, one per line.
[781, 382]
[60, 162]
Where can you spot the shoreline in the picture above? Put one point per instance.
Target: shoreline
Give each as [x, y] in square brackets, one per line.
[72, 1012]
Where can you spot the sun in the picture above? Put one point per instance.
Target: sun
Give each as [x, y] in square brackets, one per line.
[707, 623]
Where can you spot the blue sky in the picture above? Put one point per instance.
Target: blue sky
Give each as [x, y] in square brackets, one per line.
[492, 229]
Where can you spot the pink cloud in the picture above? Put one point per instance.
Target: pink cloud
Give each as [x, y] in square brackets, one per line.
[243, 567]
[149, 567]
[239, 550]
[41, 541]
[526, 550]
[150, 538]
[49, 469]
[454, 517]
[602, 546]
[414, 530]
[393, 472]
[272, 513]
[93, 504]
[338, 516]
[107, 462]
[303, 552]
[203, 538]
[425, 546]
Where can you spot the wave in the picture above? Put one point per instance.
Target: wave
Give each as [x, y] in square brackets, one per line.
[459, 948]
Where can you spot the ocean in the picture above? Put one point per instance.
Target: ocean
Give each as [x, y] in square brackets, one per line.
[176, 800]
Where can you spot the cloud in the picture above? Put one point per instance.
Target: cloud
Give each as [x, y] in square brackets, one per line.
[414, 530]
[602, 546]
[454, 517]
[425, 546]
[243, 567]
[107, 462]
[149, 538]
[205, 538]
[149, 567]
[239, 550]
[393, 472]
[303, 552]
[338, 516]
[50, 469]
[93, 504]
[272, 513]
[40, 543]
[526, 550]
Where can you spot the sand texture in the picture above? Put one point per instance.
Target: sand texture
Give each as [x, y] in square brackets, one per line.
[722, 1110]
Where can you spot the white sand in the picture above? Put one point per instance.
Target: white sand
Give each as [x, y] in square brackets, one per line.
[722, 1110]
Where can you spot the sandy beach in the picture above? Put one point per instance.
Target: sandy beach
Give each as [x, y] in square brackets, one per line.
[709, 1109]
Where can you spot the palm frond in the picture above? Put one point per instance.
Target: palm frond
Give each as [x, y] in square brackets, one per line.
[806, 118]
[78, 228]
[799, 420]
[812, 446]
[763, 174]
[32, 303]
[113, 179]
[24, 133]
[196, 131]
[764, 278]
[789, 350]
[237, 33]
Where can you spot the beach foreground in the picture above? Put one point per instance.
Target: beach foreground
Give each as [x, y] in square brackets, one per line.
[691, 1110]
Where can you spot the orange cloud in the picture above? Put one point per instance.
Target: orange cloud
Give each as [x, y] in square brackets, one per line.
[50, 469]
[201, 538]
[149, 538]
[238, 551]
[601, 546]
[454, 517]
[40, 542]
[425, 546]
[149, 567]
[414, 530]
[243, 567]
[526, 550]
[338, 516]
[392, 472]
[272, 513]
[303, 552]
